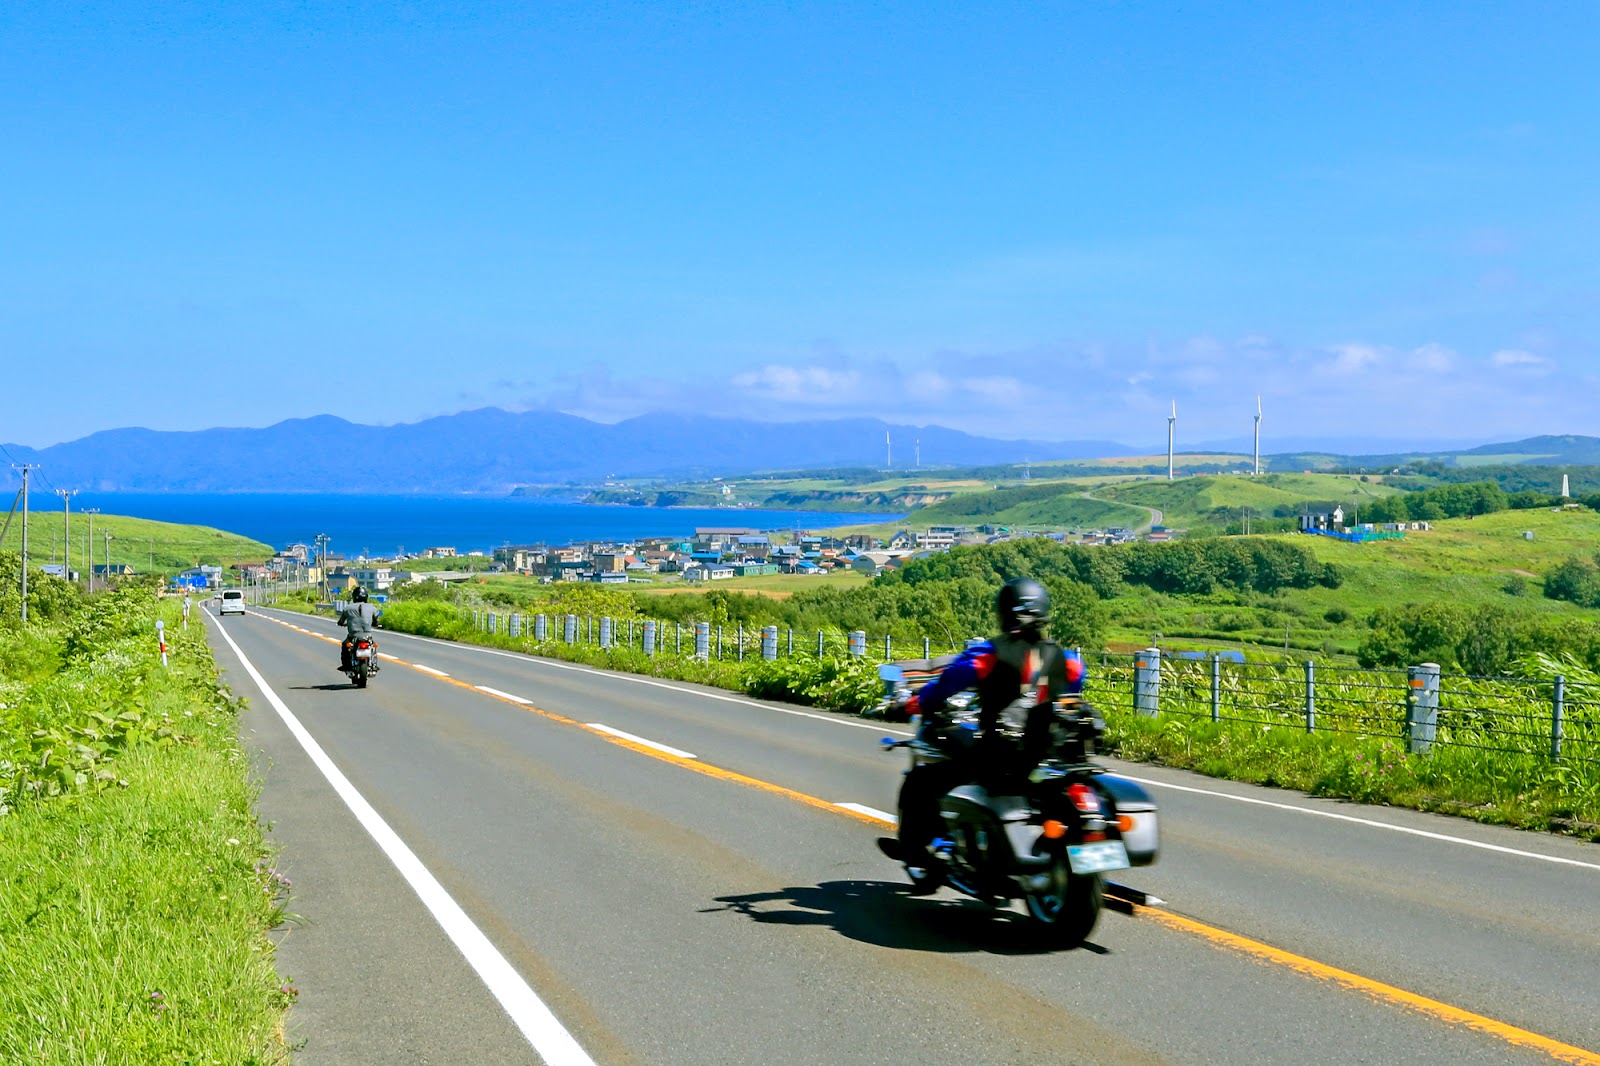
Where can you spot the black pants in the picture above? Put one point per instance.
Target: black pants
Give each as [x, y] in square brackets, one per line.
[920, 793]
[349, 645]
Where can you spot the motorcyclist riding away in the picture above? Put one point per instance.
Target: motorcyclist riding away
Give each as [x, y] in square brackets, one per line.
[359, 618]
[1019, 670]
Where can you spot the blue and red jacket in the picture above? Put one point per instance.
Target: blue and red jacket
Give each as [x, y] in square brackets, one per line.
[1003, 670]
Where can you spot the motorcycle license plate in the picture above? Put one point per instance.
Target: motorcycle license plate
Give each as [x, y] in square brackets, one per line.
[1097, 858]
[363, 653]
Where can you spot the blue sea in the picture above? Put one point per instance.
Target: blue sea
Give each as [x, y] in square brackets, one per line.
[386, 525]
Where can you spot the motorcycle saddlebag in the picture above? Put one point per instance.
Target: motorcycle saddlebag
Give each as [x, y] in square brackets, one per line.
[1131, 802]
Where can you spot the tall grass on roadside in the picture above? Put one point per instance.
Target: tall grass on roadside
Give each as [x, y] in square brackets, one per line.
[136, 892]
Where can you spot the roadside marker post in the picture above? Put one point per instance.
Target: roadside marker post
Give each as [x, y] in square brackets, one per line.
[769, 642]
[1422, 707]
[161, 638]
[649, 637]
[1147, 683]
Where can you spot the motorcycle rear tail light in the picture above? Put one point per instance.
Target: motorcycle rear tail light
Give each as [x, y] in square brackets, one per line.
[1084, 798]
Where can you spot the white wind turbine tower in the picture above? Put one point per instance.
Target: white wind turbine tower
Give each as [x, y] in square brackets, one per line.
[1258, 433]
[1172, 422]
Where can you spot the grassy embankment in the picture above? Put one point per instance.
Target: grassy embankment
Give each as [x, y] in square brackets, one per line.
[147, 546]
[136, 891]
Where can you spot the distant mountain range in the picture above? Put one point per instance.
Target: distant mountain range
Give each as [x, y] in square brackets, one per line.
[491, 450]
[494, 451]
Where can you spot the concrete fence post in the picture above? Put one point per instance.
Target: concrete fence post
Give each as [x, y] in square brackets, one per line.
[605, 632]
[1422, 706]
[570, 629]
[541, 627]
[858, 643]
[1216, 688]
[769, 643]
[648, 637]
[1311, 696]
[1147, 682]
[702, 640]
[1558, 708]
[493, 622]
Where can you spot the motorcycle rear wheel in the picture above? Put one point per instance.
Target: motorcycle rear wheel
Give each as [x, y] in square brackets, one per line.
[1067, 911]
[361, 677]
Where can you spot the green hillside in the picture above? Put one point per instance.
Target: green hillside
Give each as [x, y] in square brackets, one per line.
[1060, 504]
[145, 545]
[1195, 501]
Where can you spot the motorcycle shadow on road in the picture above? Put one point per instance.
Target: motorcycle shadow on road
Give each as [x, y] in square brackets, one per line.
[339, 687]
[886, 914]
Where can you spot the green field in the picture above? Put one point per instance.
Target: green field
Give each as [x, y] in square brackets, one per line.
[1193, 501]
[147, 546]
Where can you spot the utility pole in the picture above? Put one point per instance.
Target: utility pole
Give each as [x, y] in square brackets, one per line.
[88, 544]
[66, 539]
[109, 539]
[26, 469]
[322, 544]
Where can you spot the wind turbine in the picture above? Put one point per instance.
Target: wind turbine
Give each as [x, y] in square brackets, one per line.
[1258, 433]
[1172, 422]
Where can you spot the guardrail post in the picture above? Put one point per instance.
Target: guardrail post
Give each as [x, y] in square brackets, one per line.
[790, 652]
[677, 632]
[494, 623]
[1422, 706]
[541, 627]
[605, 632]
[769, 642]
[820, 647]
[516, 624]
[1558, 708]
[1216, 688]
[739, 655]
[719, 642]
[588, 629]
[570, 629]
[1147, 682]
[1311, 696]
[702, 640]
[888, 647]
[858, 643]
[648, 637]
[927, 649]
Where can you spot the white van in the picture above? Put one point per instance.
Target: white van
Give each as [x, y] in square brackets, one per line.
[232, 602]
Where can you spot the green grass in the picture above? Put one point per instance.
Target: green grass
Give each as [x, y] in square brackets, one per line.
[1195, 501]
[147, 546]
[136, 891]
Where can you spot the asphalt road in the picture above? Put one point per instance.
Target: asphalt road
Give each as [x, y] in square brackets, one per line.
[724, 909]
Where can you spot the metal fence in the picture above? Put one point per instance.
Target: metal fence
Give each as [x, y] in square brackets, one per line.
[1420, 707]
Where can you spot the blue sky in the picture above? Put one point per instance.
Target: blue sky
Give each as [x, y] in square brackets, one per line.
[1019, 220]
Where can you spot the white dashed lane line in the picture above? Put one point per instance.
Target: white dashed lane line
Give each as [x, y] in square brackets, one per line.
[667, 748]
[504, 695]
[430, 670]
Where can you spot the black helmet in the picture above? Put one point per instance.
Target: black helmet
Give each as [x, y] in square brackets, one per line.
[1023, 606]
[358, 595]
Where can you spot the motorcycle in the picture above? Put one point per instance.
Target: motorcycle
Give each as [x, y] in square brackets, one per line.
[1048, 840]
[363, 661]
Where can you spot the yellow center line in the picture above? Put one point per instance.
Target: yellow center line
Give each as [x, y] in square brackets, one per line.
[1243, 945]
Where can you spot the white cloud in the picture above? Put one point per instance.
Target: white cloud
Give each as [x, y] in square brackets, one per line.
[1353, 358]
[1516, 357]
[1434, 357]
[809, 384]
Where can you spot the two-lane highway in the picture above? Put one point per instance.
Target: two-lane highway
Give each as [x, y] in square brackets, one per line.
[677, 875]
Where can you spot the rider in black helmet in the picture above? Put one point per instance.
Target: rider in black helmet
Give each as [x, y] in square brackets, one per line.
[1018, 669]
[358, 619]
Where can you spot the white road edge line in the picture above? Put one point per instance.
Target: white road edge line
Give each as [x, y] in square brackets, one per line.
[1373, 823]
[503, 695]
[870, 812]
[541, 1027]
[1369, 822]
[669, 749]
[431, 670]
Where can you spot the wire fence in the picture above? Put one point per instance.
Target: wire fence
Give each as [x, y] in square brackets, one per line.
[1550, 718]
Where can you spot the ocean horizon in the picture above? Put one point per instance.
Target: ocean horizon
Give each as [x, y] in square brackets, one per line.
[387, 525]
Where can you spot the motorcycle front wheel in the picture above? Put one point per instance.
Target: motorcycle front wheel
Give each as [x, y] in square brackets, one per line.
[1067, 910]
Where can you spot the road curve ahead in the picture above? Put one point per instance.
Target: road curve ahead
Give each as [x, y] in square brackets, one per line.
[505, 859]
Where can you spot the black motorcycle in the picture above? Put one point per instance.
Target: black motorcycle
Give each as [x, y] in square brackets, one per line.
[363, 660]
[1047, 840]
